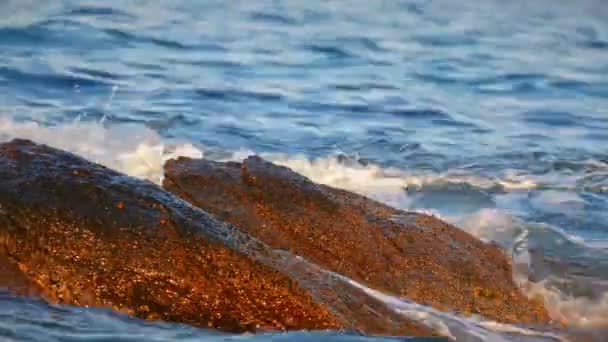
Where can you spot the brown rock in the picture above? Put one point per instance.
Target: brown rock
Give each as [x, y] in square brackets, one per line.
[13, 279]
[68, 235]
[412, 255]
[90, 236]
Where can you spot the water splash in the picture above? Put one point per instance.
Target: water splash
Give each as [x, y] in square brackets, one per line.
[107, 105]
[131, 149]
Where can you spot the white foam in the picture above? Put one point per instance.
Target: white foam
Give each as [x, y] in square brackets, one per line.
[452, 325]
[582, 313]
[578, 312]
[370, 178]
[490, 225]
[140, 152]
[134, 150]
[384, 185]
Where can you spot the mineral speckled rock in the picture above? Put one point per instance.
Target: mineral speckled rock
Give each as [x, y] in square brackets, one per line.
[86, 235]
[411, 255]
[90, 236]
[13, 279]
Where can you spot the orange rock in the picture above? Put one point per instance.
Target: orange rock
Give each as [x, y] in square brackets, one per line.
[56, 235]
[13, 279]
[67, 235]
[408, 254]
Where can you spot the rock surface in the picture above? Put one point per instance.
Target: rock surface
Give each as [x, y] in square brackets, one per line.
[411, 255]
[13, 279]
[86, 235]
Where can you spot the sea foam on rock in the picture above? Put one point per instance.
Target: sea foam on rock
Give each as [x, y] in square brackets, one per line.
[408, 254]
[75, 232]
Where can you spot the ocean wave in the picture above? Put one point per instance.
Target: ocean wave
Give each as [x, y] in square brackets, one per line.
[24, 318]
[457, 327]
[52, 80]
[141, 152]
[579, 313]
[368, 178]
[131, 149]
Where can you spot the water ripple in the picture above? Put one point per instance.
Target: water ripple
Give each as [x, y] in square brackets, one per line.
[111, 12]
[273, 18]
[98, 74]
[236, 95]
[52, 80]
[135, 38]
[329, 51]
[421, 113]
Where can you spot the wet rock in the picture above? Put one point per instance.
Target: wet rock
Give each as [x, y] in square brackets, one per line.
[411, 255]
[13, 279]
[90, 236]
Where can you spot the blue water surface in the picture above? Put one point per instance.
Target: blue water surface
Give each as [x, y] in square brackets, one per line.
[504, 92]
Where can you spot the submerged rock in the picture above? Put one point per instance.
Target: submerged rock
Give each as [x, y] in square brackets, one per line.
[86, 235]
[408, 254]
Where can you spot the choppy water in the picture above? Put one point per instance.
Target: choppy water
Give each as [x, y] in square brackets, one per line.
[490, 114]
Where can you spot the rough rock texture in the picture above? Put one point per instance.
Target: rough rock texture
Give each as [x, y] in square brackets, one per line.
[13, 279]
[90, 236]
[411, 255]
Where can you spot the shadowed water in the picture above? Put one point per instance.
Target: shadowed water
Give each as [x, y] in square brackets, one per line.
[22, 319]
